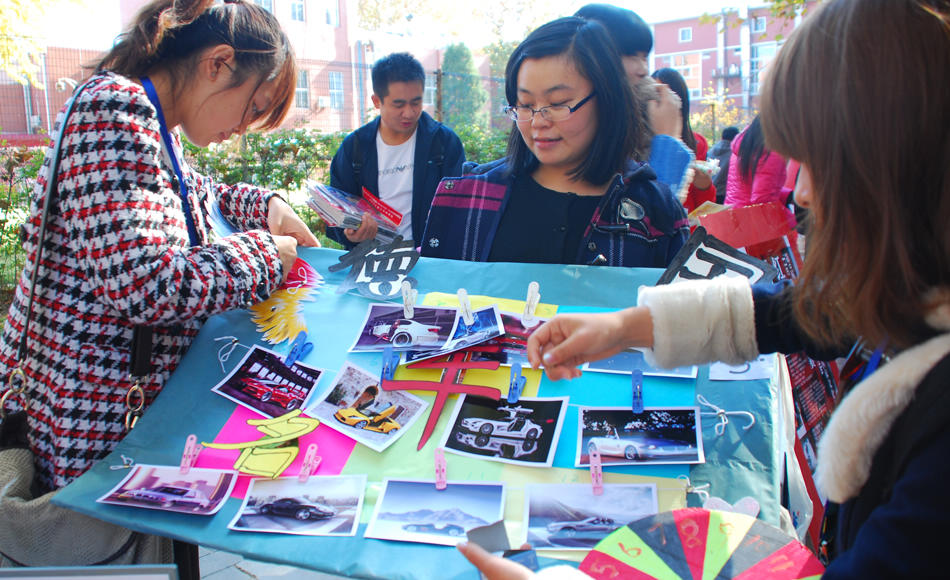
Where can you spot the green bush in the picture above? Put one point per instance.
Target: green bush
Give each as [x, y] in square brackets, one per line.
[280, 160]
[483, 144]
[19, 167]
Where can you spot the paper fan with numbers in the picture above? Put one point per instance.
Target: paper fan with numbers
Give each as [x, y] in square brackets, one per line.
[695, 544]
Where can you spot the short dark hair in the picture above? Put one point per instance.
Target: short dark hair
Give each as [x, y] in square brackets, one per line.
[399, 67]
[586, 43]
[729, 133]
[629, 32]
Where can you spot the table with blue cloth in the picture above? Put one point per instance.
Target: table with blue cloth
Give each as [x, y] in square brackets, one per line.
[739, 462]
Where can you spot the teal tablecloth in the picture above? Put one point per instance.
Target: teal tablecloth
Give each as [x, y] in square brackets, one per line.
[739, 463]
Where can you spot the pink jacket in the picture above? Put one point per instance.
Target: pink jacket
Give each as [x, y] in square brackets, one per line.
[767, 184]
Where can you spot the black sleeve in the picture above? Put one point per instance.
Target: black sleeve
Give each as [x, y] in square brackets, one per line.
[776, 329]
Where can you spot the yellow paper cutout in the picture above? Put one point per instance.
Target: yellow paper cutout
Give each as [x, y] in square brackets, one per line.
[479, 301]
[280, 317]
[271, 455]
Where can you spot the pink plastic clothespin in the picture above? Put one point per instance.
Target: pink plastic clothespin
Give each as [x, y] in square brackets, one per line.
[440, 469]
[190, 454]
[311, 462]
[596, 472]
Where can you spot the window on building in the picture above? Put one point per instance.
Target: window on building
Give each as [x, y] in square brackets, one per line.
[296, 10]
[428, 96]
[760, 55]
[265, 4]
[332, 12]
[686, 34]
[758, 24]
[302, 94]
[336, 90]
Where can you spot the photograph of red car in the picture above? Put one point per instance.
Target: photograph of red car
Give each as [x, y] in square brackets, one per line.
[261, 381]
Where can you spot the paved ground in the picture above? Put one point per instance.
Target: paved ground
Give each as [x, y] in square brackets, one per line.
[218, 565]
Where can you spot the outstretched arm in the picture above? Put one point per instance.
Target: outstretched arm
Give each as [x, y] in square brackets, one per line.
[569, 340]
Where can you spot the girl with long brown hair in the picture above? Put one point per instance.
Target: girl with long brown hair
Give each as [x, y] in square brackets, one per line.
[133, 237]
[859, 95]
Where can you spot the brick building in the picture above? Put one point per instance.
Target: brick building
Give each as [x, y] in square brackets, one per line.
[726, 57]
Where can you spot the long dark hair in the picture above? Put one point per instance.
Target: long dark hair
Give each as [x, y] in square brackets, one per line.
[751, 150]
[172, 34]
[673, 79]
[587, 44]
[876, 146]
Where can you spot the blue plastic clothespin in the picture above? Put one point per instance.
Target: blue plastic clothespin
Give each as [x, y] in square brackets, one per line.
[390, 362]
[516, 384]
[636, 376]
[299, 348]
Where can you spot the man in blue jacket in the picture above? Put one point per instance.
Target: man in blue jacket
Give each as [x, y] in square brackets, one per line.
[398, 157]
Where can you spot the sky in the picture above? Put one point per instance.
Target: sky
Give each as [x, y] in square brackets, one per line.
[95, 23]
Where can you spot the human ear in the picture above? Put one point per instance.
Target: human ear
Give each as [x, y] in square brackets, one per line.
[217, 58]
[377, 102]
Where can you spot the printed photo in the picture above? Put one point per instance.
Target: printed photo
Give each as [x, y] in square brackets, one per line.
[264, 383]
[624, 362]
[415, 511]
[322, 506]
[486, 324]
[510, 347]
[524, 433]
[163, 487]
[655, 436]
[356, 406]
[386, 325]
[570, 517]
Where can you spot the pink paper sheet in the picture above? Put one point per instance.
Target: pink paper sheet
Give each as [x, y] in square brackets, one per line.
[333, 447]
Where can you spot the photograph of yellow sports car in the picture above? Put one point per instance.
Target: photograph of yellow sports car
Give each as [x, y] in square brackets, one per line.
[379, 422]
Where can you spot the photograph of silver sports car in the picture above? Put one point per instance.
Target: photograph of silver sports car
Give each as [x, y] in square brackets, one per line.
[622, 437]
[525, 432]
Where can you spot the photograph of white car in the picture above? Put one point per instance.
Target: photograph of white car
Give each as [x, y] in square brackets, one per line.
[596, 525]
[656, 436]
[168, 496]
[516, 425]
[569, 517]
[405, 333]
[486, 324]
[201, 491]
[525, 433]
[386, 325]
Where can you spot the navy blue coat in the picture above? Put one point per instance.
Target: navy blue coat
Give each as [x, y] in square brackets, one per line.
[431, 164]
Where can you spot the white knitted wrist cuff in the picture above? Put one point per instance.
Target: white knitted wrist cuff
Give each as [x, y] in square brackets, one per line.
[700, 321]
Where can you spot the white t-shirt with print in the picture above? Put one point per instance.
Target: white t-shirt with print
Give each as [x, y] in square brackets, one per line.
[396, 163]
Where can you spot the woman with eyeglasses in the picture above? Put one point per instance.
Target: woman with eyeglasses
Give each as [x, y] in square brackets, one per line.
[567, 192]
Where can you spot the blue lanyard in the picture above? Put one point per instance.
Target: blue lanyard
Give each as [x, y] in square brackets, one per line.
[183, 187]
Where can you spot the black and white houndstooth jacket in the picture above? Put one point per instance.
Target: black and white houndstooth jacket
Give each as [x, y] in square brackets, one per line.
[117, 255]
